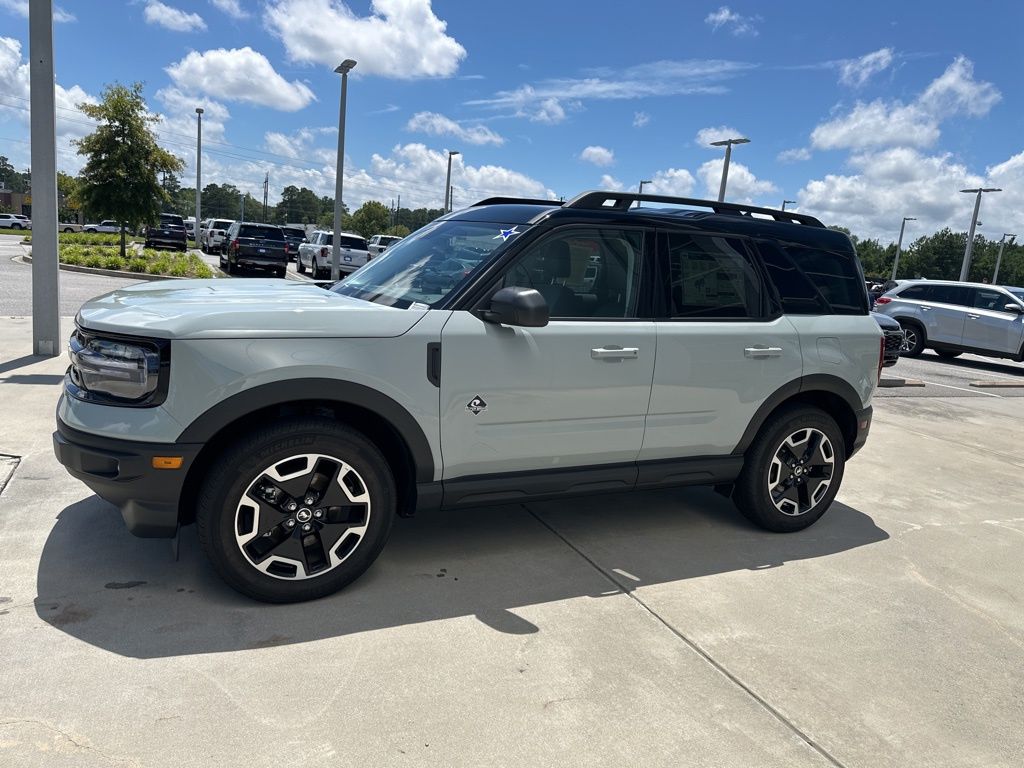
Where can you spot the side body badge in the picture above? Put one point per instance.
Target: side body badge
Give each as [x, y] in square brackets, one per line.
[476, 405]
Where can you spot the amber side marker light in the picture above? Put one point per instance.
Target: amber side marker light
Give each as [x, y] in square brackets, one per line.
[167, 462]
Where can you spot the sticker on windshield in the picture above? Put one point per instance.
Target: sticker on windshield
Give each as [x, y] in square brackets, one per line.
[505, 234]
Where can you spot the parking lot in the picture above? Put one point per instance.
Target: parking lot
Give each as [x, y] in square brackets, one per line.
[654, 629]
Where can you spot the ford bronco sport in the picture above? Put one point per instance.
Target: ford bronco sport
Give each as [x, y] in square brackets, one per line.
[572, 348]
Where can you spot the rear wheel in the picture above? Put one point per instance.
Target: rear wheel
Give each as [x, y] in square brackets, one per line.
[15, 225]
[947, 354]
[317, 275]
[915, 338]
[296, 510]
[793, 470]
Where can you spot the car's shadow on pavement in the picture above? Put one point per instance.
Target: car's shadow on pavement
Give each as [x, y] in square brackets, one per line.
[126, 595]
[991, 366]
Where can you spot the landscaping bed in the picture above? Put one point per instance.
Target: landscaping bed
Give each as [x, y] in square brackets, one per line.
[147, 261]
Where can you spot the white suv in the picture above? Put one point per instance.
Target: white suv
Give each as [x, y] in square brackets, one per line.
[953, 318]
[15, 221]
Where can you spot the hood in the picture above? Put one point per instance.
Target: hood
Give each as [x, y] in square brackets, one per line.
[241, 308]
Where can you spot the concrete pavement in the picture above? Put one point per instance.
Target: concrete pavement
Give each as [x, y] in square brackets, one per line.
[655, 629]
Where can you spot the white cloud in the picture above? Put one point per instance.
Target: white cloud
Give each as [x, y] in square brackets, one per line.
[610, 182]
[883, 123]
[677, 182]
[239, 74]
[736, 23]
[600, 156]
[172, 18]
[439, 125]
[301, 144]
[20, 7]
[742, 186]
[231, 8]
[548, 100]
[856, 72]
[402, 39]
[706, 135]
[797, 154]
[640, 119]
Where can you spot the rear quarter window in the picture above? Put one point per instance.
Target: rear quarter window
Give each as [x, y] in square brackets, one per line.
[814, 281]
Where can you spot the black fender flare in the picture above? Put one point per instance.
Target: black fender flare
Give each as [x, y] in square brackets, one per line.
[213, 420]
[815, 382]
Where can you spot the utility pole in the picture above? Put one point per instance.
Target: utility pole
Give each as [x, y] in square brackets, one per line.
[339, 170]
[243, 205]
[199, 169]
[899, 245]
[448, 181]
[266, 188]
[45, 264]
[965, 268]
[999, 258]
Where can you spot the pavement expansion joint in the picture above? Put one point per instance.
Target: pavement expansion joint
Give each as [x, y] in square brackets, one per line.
[8, 464]
[628, 591]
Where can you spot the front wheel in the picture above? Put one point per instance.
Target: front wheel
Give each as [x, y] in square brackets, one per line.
[793, 470]
[296, 510]
[299, 266]
[16, 226]
[914, 342]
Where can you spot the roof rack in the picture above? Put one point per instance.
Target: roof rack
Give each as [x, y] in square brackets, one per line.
[516, 201]
[620, 201]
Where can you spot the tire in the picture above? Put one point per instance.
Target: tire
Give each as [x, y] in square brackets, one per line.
[281, 272]
[947, 354]
[232, 269]
[16, 226]
[281, 568]
[916, 338]
[799, 453]
[67, 229]
[221, 261]
[317, 275]
[91, 231]
[299, 266]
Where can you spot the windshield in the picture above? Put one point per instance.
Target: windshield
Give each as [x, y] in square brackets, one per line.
[1018, 292]
[428, 265]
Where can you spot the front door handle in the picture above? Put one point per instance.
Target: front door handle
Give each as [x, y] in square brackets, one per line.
[761, 352]
[973, 317]
[615, 353]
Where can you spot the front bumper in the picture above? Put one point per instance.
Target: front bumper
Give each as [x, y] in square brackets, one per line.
[121, 472]
[862, 427]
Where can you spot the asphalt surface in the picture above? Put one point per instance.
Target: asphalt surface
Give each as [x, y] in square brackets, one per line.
[964, 376]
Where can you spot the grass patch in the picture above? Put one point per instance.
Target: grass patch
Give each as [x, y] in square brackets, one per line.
[150, 262]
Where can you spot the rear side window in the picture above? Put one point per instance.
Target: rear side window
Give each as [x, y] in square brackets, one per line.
[812, 281]
[263, 233]
[946, 294]
[711, 278]
[914, 292]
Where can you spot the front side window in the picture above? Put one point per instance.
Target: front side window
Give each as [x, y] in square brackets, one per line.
[711, 278]
[583, 273]
[986, 298]
[428, 266]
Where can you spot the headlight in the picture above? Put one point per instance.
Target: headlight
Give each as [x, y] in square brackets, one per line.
[110, 368]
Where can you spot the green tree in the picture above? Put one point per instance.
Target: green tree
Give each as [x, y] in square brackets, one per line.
[371, 219]
[298, 206]
[120, 178]
[224, 201]
[68, 205]
[14, 180]
[399, 230]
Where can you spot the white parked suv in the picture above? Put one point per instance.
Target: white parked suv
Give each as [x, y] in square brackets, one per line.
[952, 318]
[15, 221]
[510, 351]
[316, 255]
[107, 226]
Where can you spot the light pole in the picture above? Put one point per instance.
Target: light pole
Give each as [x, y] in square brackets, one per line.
[199, 171]
[966, 267]
[448, 181]
[784, 202]
[899, 245]
[999, 257]
[343, 69]
[727, 143]
[640, 190]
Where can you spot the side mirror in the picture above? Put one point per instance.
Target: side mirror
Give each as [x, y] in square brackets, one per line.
[524, 307]
[1015, 308]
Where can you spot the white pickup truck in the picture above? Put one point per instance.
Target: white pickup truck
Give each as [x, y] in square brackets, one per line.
[108, 226]
[379, 243]
[316, 254]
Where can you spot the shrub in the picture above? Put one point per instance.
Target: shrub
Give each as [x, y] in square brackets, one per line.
[136, 264]
[113, 262]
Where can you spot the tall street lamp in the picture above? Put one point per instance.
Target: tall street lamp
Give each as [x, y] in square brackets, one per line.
[727, 143]
[640, 190]
[199, 171]
[343, 69]
[966, 267]
[899, 245]
[448, 181]
[999, 257]
[784, 202]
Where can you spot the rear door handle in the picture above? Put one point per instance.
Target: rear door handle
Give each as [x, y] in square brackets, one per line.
[615, 353]
[926, 309]
[973, 317]
[760, 352]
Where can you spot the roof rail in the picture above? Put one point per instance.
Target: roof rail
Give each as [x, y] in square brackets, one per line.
[515, 201]
[620, 201]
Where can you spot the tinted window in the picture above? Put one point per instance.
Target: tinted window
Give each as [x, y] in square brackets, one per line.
[711, 278]
[1019, 293]
[986, 298]
[946, 294]
[261, 232]
[835, 275]
[915, 292]
[170, 218]
[222, 223]
[797, 292]
[347, 241]
[293, 232]
[583, 272]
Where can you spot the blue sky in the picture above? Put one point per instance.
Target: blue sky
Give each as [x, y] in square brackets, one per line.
[862, 113]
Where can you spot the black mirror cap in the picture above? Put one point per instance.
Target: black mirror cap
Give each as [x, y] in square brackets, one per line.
[524, 307]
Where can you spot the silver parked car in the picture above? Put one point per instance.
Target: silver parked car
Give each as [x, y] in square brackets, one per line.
[953, 318]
